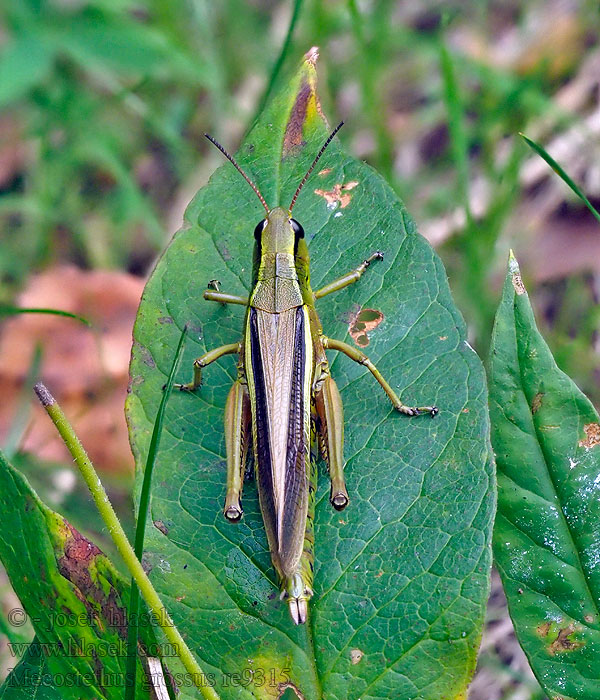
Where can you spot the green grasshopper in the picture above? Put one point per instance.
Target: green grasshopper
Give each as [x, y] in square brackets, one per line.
[284, 398]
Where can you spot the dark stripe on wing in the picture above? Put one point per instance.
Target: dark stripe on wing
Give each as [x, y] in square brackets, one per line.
[263, 448]
[296, 476]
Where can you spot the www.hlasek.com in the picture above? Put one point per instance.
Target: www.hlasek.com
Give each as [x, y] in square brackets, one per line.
[77, 648]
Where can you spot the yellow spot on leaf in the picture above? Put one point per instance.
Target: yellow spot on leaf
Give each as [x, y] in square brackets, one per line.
[339, 193]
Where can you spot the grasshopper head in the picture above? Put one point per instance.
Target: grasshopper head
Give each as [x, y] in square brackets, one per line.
[278, 232]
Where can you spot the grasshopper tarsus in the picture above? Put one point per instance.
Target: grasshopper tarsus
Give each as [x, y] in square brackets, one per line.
[214, 284]
[418, 411]
[189, 388]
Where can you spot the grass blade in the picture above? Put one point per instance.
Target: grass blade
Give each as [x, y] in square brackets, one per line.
[561, 173]
[456, 127]
[140, 528]
[6, 310]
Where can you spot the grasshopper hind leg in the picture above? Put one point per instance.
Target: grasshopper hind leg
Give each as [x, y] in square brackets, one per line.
[330, 428]
[237, 438]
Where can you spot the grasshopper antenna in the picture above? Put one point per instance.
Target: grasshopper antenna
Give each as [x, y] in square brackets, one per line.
[315, 161]
[231, 159]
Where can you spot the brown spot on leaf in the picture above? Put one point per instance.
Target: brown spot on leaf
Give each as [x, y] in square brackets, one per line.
[165, 319]
[537, 402]
[224, 250]
[356, 655]
[589, 618]
[312, 55]
[562, 643]
[76, 565]
[361, 322]
[159, 525]
[544, 629]
[517, 283]
[339, 193]
[325, 171]
[145, 355]
[592, 433]
[293, 138]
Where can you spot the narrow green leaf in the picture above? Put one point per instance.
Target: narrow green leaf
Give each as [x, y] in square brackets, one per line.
[15, 310]
[140, 527]
[546, 436]
[558, 169]
[281, 58]
[401, 577]
[456, 127]
[22, 406]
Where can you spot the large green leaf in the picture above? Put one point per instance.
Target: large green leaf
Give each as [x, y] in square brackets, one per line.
[72, 595]
[401, 576]
[546, 435]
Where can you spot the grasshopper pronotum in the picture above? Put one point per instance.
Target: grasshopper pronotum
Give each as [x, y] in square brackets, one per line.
[284, 393]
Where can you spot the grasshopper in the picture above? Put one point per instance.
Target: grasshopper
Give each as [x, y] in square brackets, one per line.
[284, 399]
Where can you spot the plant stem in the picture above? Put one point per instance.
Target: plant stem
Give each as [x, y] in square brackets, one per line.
[121, 542]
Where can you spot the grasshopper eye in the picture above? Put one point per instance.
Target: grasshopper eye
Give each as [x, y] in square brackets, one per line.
[297, 229]
[259, 228]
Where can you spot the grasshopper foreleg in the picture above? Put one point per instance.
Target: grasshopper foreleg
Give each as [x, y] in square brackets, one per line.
[203, 361]
[237, 438]
[362, 359]
[349, 278]
[330, 426]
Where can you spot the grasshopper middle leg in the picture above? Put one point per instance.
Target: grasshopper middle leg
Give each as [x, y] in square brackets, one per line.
[203, 361]
[362, 359]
